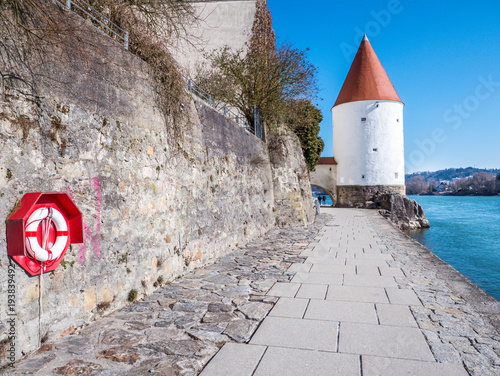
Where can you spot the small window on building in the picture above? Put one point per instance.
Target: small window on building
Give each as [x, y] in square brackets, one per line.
[397, 120]
[396, 175]
[363, 119]
[363, 176]
[375, 149]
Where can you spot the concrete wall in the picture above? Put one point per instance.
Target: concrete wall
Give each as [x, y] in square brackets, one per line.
[369, 152]
[82, 118]
[221, 23]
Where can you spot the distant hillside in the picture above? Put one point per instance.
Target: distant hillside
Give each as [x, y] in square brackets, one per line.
[455, 181]
[451, 173]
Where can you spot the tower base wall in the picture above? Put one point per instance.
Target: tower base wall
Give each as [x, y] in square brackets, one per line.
[360, 196]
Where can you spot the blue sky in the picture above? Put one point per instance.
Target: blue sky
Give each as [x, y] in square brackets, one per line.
[443, 58]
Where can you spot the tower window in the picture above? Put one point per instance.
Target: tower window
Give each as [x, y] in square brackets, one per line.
[375, 149]
[363, 119]
[396, 175]
[363, 176]
[397, 120]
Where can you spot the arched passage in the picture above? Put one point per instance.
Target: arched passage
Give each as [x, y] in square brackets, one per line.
[326, 192]
[324, 177]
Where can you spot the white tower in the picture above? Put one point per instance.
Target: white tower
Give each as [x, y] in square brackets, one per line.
[368, 142]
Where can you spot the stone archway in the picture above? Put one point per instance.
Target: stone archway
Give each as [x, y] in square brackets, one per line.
[327, 192]
[324, 177]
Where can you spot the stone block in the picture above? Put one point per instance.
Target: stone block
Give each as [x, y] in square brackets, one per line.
[234, 359]
[357, 294]
[369, 281]
[367, 270]
[377, 366]
[382, 340]
[391, 272]
[290, 307]
[333, 269]
[367, 262]
[241, 329]
[297, 333]
[399, 315]
[284, 289]
[255, 310]
[299, 362]
[341, 311]
[298, 267]
[322, 259]
[317, 278]
[311, 291]
[403, 296]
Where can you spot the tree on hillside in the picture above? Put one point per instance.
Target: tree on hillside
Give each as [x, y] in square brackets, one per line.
[304, 118]
[416, 185]
[483, 183]
[266, 80]
[461, 185]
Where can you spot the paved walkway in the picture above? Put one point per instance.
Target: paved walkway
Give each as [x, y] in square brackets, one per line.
[351, 295]
[343, 313]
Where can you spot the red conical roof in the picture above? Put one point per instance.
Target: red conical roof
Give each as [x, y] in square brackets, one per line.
[366, 79]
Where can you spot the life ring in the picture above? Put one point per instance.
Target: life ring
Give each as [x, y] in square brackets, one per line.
[46, 252]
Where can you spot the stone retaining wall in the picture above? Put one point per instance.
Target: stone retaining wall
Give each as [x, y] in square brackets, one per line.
[358, 195]
[82, 118]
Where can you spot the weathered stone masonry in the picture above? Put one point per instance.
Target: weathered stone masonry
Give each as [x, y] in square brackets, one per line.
[85, 121]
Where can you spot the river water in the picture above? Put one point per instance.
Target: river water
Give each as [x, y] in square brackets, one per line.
[465, 232]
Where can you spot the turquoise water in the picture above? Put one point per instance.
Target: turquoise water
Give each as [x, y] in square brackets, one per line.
[465, 232]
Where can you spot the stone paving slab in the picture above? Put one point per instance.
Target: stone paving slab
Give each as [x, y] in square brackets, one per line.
[332, 269]
[297, 333]
[318, 278]
[366, 262]
[289, 307]
[312, 291]
[284, 289]
[402, 296]
[377, 366]
[381, 340]
[369, 281]
[357, 294]
[326, 260]
[368, 270]
[341, 311]
[398, 315]
[373, 256]
[391, 272]
[298, 267]
[235, 359]
[298, 362]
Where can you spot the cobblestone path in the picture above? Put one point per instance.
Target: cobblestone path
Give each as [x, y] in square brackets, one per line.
[350, 295]
[177, 329]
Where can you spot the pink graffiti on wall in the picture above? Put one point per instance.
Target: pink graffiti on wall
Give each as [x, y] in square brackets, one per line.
[96, 243]
[87, 233]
